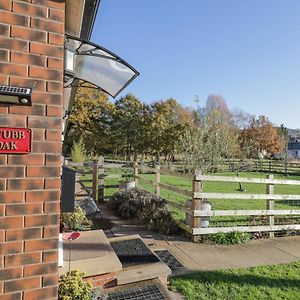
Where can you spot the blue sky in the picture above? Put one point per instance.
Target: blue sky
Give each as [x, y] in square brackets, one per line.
[248, 51]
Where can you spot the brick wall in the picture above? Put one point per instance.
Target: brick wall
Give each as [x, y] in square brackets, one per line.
[31, 55]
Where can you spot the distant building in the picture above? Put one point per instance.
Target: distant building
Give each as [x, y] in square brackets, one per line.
[294, 148]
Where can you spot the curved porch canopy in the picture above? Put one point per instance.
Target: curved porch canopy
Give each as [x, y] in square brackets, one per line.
[90, 65]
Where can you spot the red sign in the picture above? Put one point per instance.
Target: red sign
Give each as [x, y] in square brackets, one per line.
[15, 140]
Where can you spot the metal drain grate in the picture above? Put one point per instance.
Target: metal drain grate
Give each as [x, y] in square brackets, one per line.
[168, 259]
[149, 292]
[133, 252]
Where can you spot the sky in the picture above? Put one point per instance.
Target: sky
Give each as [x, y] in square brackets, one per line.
[248, 51]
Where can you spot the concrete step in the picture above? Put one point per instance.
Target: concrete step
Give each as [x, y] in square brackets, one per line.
[141, 272]
[91, 253]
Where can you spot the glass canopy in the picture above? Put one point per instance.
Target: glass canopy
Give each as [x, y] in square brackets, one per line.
[90, 65]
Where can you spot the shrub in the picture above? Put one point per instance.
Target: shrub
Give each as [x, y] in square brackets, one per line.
[72, 287]
[145, 207]
[78, 153]
[74, 220]
[229, 238]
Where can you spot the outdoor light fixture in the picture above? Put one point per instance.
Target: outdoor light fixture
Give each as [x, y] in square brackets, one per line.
[90, 65]
[15, 95]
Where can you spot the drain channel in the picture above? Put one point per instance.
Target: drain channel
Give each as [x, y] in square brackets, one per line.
[166, 257]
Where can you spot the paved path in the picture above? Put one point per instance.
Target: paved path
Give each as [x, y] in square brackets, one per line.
[200, 257]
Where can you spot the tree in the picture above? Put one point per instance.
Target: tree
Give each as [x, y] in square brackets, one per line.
[260, 136]
[91, 120]
[168, 121]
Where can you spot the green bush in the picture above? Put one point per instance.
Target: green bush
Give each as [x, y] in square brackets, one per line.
[229, 238]
[72, 287]
[74, 220]
[78, 153]
[145, 207]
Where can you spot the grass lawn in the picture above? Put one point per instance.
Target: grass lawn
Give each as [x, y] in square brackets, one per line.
[265, 282]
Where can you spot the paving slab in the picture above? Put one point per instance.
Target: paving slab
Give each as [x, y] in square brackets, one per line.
[91, 253]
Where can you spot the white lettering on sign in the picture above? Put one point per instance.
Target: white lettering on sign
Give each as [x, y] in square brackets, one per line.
[11, 134]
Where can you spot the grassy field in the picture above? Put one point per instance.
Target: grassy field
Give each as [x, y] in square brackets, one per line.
[265, 282]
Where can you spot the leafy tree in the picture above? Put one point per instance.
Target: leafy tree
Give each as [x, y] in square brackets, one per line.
[90, 119]
[260, 137]
[78, 151]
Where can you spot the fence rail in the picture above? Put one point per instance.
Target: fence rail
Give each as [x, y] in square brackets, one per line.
[199, 217]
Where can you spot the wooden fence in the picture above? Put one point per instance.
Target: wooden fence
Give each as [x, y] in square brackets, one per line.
[194, 208]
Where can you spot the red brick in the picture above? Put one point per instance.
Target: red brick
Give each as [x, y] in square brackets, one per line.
[56, 39]
[23, 234]
[50, 256]
[13, 19]
[25, 184]
[42, 122]
[3, 159]
[50, 280]
[13, 121]
[4, 55]
[42, 196]
[57, 15]
[10, 273]
[47, 98]
[47, 25]
[29, 159]
[38, 245]
[2, 184]
[54, 86]
[10, 248]
[22, 284]
[3, 80]
[22, 259]
[11, 222]
[43, 293]
[55, 63]
[34, 110]
[12, 171]
[12, 69]
[46, 49]
[58, 4]
[51, 231]
[11, 197]
[44, 171]
[13, 44]
[2, 210]
[38, 134]
[4, 30]
[2, 235]
[53, 135]
[52, 207]
[40, 269]
[28, 34]
[41, 220]
[5, 5]
[54, 159]
[43, 73]
[35, 84]
[54, 111]
[11, 296]
[28, 59]
[52, 183]
[30, 10]
[46, 147]
[24, 209]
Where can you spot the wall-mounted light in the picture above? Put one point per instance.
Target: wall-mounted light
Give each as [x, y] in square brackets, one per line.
[15, 95]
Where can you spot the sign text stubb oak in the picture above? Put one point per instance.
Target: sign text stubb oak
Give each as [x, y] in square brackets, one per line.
[15, 140]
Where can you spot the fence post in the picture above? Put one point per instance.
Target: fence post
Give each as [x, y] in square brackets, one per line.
[135, 172]
[196, 202]
[101, 179]
[95, 180]
[270, 203]
[157, 180]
